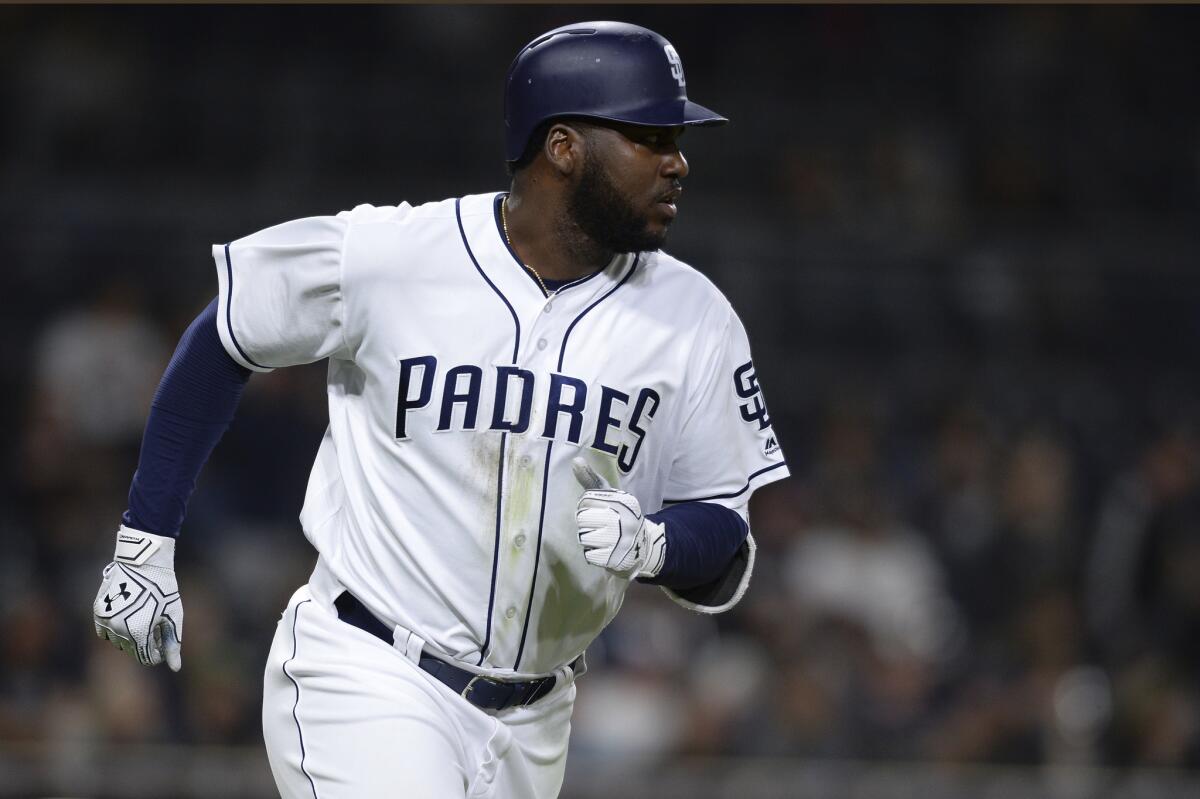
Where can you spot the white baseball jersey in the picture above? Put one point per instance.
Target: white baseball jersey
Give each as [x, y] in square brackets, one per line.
[442, 495]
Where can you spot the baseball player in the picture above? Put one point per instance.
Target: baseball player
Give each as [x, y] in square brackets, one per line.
[530, 406]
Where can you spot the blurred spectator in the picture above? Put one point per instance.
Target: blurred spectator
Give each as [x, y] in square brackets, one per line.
[1142, 557]
[867, 570]
[97, 368]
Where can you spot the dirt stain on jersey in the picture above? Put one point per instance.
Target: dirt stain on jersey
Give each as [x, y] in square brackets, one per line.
[569, 616]
[522, 489]
[481, 481]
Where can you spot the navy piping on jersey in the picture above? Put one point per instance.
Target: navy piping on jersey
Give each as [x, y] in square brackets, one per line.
[303, 754]
[487, 636]
[742, 490]
[537, 557]
[550, 448]
[524, 268]
[229, 311]
[563, 350]
[478, 268]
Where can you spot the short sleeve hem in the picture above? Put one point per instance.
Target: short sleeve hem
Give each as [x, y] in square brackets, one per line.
[229, 339]
[738, 498]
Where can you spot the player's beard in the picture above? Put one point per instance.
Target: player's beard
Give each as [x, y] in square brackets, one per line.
[606, 216]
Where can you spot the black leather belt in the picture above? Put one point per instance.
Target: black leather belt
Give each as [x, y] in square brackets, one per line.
[480, 691]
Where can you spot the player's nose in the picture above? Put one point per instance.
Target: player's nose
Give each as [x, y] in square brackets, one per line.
[675, 165]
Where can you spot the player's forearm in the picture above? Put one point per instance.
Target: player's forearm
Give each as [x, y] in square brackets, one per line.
[195, 402]
[702, 538]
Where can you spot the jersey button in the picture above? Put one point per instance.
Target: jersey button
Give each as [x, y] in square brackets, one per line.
[541, 343]
[549, 305]
[519, 540]
[525, 461]
[508, 614]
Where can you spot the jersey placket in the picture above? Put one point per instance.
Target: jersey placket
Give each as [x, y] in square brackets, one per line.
[524, 500]
[544, 323]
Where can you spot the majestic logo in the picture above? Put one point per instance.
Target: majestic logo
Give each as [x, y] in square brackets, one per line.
[771, 447]
[676, 65]
[123, 594]
[745, 383]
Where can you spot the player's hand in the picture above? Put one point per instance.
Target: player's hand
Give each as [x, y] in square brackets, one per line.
[138, 607]
[612, 529]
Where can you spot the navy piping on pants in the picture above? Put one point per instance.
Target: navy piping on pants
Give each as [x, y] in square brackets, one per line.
[299, 732]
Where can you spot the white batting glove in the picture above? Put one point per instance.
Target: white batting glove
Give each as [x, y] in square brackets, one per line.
[613, 531]
[138, 607]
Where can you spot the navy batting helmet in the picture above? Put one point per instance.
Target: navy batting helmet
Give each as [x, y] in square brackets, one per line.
[601, 70]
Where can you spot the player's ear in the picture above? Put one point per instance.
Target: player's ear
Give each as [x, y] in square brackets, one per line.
[564, 147]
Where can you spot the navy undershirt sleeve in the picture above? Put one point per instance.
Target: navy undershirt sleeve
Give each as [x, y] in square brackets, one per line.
[702, 538]
[192, 408]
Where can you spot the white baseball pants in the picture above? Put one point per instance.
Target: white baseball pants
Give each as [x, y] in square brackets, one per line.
[345, 716]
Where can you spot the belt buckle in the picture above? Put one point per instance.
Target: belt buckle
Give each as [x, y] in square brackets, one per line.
[465, 693]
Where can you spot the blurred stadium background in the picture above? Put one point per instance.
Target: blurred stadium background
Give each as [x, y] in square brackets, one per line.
[964, 242]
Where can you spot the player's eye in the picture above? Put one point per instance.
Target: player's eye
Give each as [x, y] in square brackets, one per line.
[659, 139]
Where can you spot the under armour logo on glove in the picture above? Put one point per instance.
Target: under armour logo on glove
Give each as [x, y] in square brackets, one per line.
[108, 600]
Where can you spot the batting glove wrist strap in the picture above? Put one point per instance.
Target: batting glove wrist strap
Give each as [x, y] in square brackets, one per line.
[138, 608]
[139, 549]
[656, 550]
